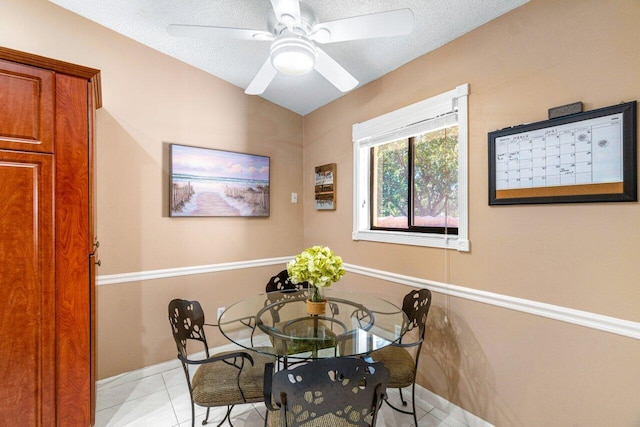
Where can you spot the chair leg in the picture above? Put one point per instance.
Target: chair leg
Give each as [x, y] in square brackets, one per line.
[404, 403]
[413, 403]
[227, 416]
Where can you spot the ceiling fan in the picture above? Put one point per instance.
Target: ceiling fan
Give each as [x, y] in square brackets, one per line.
[294, 32]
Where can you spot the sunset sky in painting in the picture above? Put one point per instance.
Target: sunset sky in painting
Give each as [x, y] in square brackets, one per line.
[218, 164]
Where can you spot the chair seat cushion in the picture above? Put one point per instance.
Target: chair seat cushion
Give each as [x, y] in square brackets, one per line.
[399, 362]
[216, 384]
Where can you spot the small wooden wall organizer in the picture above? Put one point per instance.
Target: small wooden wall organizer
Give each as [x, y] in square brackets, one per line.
[325, 188]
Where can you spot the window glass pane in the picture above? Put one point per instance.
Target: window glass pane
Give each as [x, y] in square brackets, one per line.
[390, 184]
[435, 192]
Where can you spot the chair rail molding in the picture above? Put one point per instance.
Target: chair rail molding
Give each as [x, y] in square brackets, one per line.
[587, 319]
[600, 322]
[139, 276]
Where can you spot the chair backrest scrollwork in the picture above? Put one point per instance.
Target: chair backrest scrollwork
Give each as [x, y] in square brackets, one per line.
[282, 282]
[416, 306]
[288, 290]
[187, 322]
[328, 389]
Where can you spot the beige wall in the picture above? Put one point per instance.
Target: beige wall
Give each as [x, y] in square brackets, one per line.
[150, 100]
[508, 367]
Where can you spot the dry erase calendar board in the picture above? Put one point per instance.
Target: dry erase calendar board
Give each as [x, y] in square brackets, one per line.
[584, 157]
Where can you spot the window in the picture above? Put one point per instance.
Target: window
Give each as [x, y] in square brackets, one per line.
[414, 183]
[410, 174]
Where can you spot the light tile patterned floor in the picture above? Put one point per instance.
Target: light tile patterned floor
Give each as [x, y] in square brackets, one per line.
[162, 400]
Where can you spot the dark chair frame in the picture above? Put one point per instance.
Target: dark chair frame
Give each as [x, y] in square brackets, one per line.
[416, 306]
[326, 386]
[187, 323]
[282, 282]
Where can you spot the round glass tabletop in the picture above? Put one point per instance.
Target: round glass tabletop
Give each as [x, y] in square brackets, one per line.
[278, 323]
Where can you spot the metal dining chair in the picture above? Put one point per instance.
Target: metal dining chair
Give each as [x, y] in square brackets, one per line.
[224, 379]
[402, 358]
[334, 392]
[282, 282]
[277, 300]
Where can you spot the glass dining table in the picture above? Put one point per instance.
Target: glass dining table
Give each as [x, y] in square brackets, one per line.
[277, 323]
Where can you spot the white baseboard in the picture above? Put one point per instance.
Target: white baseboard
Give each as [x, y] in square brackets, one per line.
[454, 411]
[158, 368]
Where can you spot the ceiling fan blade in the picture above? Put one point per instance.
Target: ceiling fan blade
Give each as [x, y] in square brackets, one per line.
[207, 32]
[287, 11]
[383, 24]
[332, 71]
[260, 82]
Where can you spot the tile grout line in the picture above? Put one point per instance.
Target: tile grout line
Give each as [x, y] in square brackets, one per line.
[129, 399]
[173, 407]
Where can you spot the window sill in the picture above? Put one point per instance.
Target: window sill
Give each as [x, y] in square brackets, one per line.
[414, 239]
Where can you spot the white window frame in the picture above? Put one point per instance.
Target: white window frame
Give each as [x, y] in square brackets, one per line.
[398, 124]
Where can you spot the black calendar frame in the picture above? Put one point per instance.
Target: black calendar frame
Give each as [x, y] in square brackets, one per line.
[626, 191]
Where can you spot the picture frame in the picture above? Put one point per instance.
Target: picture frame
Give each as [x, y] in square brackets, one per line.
[325, 187]
[206, 182]
[584, 157]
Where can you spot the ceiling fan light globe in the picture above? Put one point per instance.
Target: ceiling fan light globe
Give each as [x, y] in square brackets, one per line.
[292, 55]
[293, 63]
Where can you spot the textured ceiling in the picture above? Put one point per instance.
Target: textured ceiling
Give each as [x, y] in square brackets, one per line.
[436, 23]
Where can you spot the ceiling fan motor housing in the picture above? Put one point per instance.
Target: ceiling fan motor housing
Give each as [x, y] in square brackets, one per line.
[307, 20]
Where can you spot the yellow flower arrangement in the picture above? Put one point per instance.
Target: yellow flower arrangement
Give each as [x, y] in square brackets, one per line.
[318, 266]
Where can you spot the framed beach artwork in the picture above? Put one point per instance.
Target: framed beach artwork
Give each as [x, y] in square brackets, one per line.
[208, 182]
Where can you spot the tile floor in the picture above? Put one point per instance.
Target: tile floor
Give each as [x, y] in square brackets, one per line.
[161, 399]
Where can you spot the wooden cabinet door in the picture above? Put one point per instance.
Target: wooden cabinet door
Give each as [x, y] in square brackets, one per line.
[27, 102]
[73, 248]
[27, 289]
